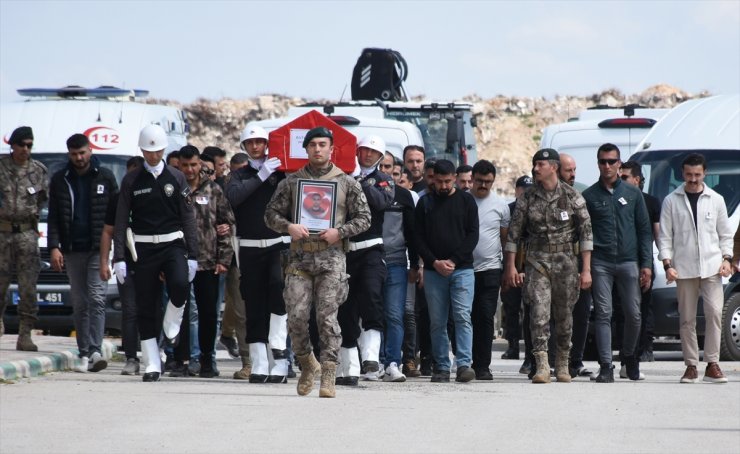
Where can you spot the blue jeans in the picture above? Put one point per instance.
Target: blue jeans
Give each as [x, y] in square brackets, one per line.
[626, 278]
[444, 293]
[394, 303]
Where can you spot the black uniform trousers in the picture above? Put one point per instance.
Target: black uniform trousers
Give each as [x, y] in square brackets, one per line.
[485, 299]
[261, 284]
[205, 288]
[365, 299]
[171, 260]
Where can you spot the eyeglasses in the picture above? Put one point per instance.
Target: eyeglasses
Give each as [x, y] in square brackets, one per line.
[610, 162]
[28, 145]
[208, 171]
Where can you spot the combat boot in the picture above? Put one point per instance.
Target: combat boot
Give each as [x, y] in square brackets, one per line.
[309, 368]
[562, 373]
[543, 368]
[24, 342]
[245, 371]
[328, 374]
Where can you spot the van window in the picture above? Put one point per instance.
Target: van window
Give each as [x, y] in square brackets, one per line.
[663, 173]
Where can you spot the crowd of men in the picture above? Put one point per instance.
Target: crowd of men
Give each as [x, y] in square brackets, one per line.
[378, 274]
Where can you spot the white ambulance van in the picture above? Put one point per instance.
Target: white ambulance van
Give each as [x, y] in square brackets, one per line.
[111, 118]
[710, 126]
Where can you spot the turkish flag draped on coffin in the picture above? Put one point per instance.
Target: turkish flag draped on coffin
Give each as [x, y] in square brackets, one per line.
[286, 142]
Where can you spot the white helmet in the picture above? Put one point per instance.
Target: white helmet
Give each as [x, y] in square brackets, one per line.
[152, 138]
[373, 142]
[253, 132]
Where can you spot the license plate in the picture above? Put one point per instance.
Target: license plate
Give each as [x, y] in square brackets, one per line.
[44, 299]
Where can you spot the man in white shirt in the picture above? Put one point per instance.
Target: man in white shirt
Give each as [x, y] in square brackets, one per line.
[493, 221]
[695, 258]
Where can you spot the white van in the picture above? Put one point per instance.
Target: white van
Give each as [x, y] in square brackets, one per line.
[111, 118]
[710, 126]
[581, 137]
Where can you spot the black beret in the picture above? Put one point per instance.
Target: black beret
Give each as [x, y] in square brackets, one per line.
[317, 132]
[21, 133]
[545, 154]
[524, 181]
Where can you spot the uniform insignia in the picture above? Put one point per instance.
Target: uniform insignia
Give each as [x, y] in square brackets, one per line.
[185, 192]
[169, 190]
[545, 154]
[371, 181]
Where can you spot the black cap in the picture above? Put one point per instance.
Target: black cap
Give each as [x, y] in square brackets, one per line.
[317, 132]
[524, 181]
[545, 154]
[21, 133]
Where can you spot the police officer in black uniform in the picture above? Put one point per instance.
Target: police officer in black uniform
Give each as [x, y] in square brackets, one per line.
[367, 273]
[156, 223]
[249, 190]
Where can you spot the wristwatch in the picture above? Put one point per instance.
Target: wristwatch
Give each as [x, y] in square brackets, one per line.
[727, 258]
[667, 266]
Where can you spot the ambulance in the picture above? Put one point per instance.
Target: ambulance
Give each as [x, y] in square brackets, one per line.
[111, 118]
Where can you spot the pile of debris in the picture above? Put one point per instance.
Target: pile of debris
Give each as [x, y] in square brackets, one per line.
[508, 131]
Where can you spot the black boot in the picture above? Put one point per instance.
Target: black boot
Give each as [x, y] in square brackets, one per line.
[513, 351]
[606, 373]
[526, 367]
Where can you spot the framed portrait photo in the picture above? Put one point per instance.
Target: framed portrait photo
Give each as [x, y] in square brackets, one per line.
[316, 204]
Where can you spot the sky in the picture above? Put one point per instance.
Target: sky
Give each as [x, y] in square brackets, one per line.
[183, 50]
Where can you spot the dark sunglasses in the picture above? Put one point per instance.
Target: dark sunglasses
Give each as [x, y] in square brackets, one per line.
[611, 162]
[208, 171]
[28, 145]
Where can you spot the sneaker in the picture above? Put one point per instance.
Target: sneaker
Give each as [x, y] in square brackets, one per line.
[230, 345]
[440, 376]
[483, 374]
[691, 375]
[631, 369]
[97, 363]
[464, 374]
[392, 374]
[606, 373]
[194, 367]
[372, 369]
[82, 366]
[131, 367]
[409, 369]
[713, 374]
[205, 372]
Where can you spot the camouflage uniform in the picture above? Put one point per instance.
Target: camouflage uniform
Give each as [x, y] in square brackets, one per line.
[556, 223]
[23, 192]
[316, 271]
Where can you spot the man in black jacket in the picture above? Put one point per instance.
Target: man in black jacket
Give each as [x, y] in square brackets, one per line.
[78, 198]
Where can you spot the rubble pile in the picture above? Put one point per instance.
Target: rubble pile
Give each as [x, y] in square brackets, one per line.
[508, 131]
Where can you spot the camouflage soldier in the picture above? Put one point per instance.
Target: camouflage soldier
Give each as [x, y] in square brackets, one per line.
[24, 188]
[316, 265]
[554, 217]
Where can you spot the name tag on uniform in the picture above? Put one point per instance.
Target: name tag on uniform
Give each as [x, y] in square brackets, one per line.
[31, 190]
[564, 216]
[622, 201]
[201, 200]
[101, 189]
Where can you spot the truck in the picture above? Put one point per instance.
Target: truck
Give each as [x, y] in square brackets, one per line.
[580, 137]
[111, 118]
[381, 106]
[711, 127]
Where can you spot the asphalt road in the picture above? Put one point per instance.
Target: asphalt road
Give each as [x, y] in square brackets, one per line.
[108, 413]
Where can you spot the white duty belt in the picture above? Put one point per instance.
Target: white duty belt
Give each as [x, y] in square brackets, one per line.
[359, 245]
[156, 239]
[262, 243]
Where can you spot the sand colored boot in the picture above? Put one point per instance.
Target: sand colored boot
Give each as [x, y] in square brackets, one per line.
[246, 370]
[309, 368]
[328, 375]
[543, 368]
[562, 373]
[24, 342]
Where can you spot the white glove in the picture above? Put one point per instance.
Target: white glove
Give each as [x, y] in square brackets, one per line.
[192, 268]
[268, 168]
[120, 269]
